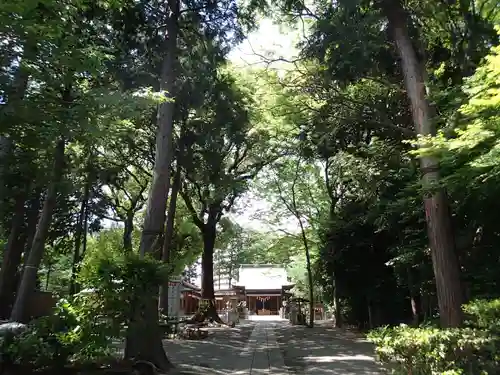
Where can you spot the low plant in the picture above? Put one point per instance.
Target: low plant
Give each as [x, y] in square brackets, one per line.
[472, 350]
[48, 341]
[86, 328]
[483, 314]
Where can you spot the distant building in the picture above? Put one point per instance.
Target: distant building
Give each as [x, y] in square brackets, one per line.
[262, 286]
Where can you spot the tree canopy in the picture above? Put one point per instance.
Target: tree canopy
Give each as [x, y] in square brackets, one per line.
[130, 144]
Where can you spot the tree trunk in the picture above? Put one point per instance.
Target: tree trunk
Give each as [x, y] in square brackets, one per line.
[12, 94]
[231, 266]
[5, 151]
[309, 273]
[47, 277]
[128, 229]
[414, 298]
[207, 262]
[85, 230]
[32, 220]
[208, 311]
[15, 93]
[144, 338]
[11, 258]
[79, 233]
[29, 278]
[441, 238]
[169, 234]
[17, 90]
[336, 303]
[370, 312]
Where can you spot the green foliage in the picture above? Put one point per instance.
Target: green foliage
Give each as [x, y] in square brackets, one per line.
[105, 245]
[484, 314]
[86, 328]
[115, 285]
[334, 133]
[477, 131]
[297, 272]
[346, 108]
[114, 288]
[51, 341]
[431, 351]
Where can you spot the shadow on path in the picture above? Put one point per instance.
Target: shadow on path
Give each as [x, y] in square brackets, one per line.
[216, 354]
[324, 350]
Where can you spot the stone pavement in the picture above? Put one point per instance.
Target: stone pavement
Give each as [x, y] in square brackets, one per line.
[325, 350]
[262, 354]
[274, 347]
[213, 355]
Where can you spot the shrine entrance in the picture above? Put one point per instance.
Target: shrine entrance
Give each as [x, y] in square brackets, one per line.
[264, 304]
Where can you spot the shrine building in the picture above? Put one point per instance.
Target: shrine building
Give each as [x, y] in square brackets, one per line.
[262, 287]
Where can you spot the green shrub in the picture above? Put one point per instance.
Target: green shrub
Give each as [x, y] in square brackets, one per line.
[114, 287]
[472, 350]
[47, 341]
[86, 328]
[483, 314]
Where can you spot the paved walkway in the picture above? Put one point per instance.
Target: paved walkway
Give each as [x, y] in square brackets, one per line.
[274, 347]
[324, 350]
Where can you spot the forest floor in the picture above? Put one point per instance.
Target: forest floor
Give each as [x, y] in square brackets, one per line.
[267, 346]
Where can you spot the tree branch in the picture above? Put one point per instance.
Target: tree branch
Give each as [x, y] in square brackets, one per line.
[189, 204]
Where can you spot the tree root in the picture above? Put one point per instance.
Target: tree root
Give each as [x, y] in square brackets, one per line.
[145, 368]
[208, 314]
[190, 333]
[149, 358]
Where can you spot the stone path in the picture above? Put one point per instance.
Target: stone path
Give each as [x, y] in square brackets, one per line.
[272, 347]
[324, 350]
[262, 354]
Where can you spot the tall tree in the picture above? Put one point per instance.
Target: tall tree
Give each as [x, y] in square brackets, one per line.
[225, 152]
[297, 193]
[437, 209]
[144, 337]
[29, 278]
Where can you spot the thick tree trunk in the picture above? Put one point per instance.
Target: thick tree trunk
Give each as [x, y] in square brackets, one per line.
[144, 338]
[14, 93]
[207, 262]
[154, 219]
[11, 258]
[29, 278]
[128, 229]
[208, 311]
[169, 234]
[441, 238]
[32, 220]
[80, 232]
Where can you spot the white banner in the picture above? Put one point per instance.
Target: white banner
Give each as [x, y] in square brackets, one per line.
[174, 298]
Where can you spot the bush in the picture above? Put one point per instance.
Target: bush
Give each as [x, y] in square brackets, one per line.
[473, 350]
[86, 328]
[47, 341]
[483, 314]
